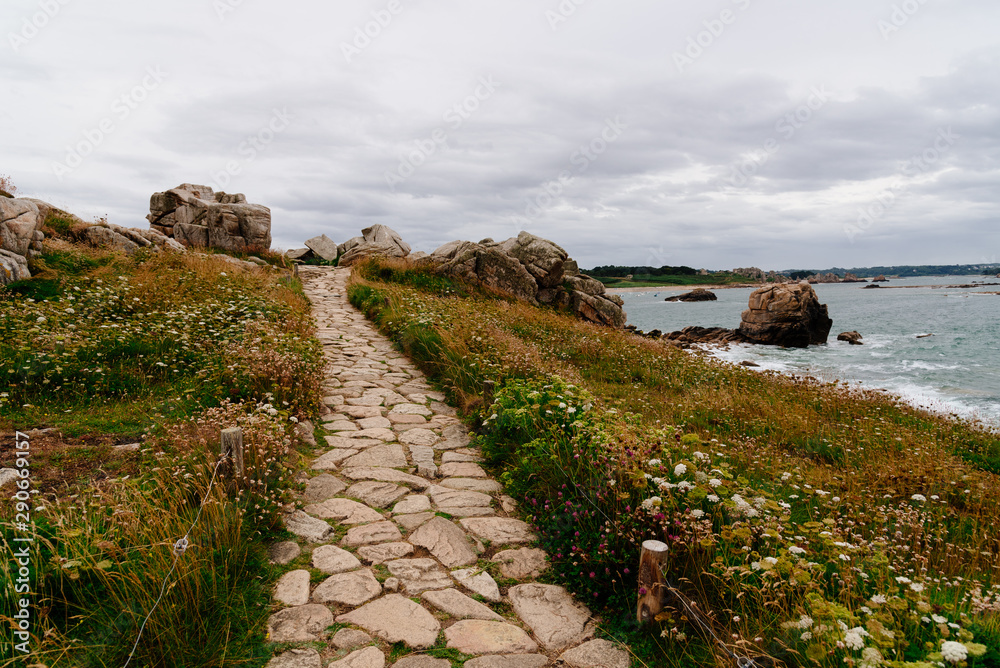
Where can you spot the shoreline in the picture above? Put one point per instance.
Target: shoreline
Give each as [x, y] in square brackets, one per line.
[683, 288]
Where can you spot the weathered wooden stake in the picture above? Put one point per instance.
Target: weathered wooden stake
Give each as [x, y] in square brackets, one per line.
[651, 583]
[232, 444]
[489, 387]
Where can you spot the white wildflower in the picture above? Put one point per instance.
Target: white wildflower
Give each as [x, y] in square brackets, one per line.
[953, 652]
[655, 462]
[680, 470]
[918, 497]
[805, 622]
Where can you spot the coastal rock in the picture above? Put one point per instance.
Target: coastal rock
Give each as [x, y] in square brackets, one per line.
[531, 269]
[375, 240]
[690, 335]
[195, 215]
[322, 247]
[696, 295]
[852, 338]
[880, 279]
[19, 220]
[786, 315]
[13, 267]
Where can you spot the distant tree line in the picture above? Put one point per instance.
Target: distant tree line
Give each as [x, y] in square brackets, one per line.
[611, 270]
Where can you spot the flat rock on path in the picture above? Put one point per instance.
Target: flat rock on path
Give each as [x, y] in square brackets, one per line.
[477, 636]
[331, 559]
[458, 605]
[448, 543]
[596, 654]
[305, 623]
[520, 564]
[421, 661]
[499, 530]
[556, 619]
[478, 582]
[292, 588]
[307, 527]
[395, 618]
[369, 657]
[509, 661]
[297, 658]
[369, 534]
[347, 511]
[419, 575]
[389, 456]
[377, 494]
[322, 487]
[284, 553]
[377, 554]
[352, 588]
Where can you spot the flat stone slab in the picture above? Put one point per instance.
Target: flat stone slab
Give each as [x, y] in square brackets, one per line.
[421, 661]
[360, 412]
[386, 475]
[343, 443]
[596, 654]
[410, 409]
[387, 455]
[448, 543]
[454, 456]
[331, 459]
[341, 425]
[352, 588]
[297, 658]
[411, 522]
[347, 511]
[418, 575]
[378, 554]
[369, 534]
[365, 401]
[323, 487]
[463, 470]
[527, 562]
[375, 423]
[331, 559]
[395, 618]
[307, 527]
[498, 530]
[556, 619]
[477, 636]
[478, 582]
[350, 639]
[402, 418]
[509, 661]
[305, 623]
[417, 503]
[377, 494]
[458, 605]
[285, 552]
[369, 657]
[378, 433]
[292, 588]
[458, 499]
[419, 436]
[484, 486]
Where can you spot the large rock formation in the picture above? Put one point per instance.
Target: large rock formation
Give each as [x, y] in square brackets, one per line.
[198, 216]
[532, 269]
[696, 295]
[20, 238]
[786, 315]
[375, 240]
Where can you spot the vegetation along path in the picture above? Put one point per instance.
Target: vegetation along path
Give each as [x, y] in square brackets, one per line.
[407, 553]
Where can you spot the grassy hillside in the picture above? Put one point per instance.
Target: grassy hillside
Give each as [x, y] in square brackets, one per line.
[815, 524]
[101, 349]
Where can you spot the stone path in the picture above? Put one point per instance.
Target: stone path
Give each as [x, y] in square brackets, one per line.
[376, 557]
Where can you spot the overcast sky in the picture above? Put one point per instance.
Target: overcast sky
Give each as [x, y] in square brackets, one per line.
[713, 133]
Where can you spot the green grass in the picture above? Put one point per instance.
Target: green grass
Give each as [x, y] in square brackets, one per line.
[166, 349]
[780, 498]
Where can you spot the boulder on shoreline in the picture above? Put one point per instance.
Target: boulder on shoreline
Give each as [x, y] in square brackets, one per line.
[696, 295]
[786, 315]
[853, 338]
[880, 279]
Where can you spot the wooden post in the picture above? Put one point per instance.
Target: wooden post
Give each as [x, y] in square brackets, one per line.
[489, 387]
[232, 445]
[652, 587]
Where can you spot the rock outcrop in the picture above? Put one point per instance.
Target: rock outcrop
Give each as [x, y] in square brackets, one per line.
[851, 337]
[196, 215]
[786, 315]
[377, 240]
[880, 279]
[696, 295]
[532, 269]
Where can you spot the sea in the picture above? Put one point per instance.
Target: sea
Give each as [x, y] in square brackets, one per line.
[956, 371]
